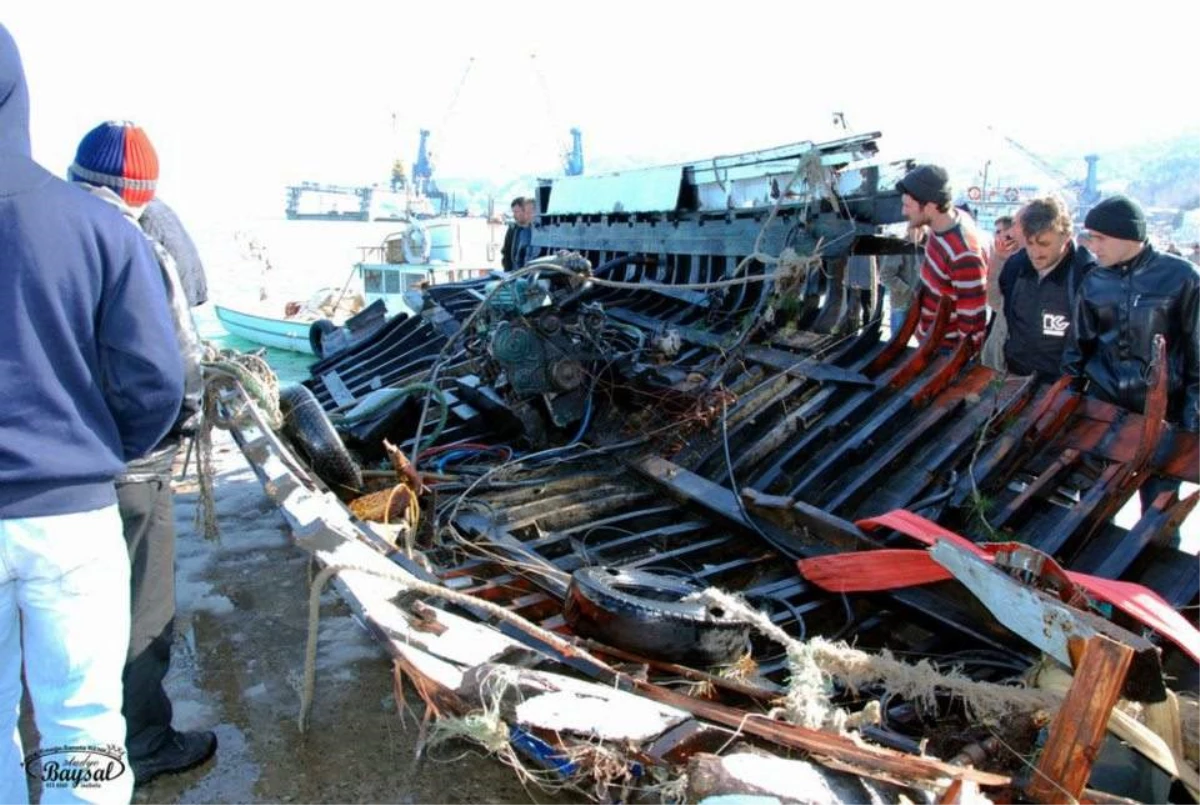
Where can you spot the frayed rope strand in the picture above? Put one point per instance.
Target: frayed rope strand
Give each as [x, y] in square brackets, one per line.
[815, 662]
[433, 591]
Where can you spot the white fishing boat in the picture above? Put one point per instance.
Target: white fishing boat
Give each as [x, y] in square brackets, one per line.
[277, 333]
[385, 276]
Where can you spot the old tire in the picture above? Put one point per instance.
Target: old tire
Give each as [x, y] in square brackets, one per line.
[316, 336]
[645, 613]
[308, 428]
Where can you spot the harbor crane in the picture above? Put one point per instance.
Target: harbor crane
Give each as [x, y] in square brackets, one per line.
[1084, 191]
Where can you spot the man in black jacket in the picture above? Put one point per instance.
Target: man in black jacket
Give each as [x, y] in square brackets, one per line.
[162, 225]
[1038, 285]
[1135, 294]
[516, 239]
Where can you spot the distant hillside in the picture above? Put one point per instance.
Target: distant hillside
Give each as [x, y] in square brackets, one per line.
[1160, 174]
[1163, 173]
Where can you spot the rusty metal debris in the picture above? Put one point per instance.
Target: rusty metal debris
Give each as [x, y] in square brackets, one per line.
[692, 396]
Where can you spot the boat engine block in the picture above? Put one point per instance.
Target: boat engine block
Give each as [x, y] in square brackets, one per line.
[540, 345]
[548, 355]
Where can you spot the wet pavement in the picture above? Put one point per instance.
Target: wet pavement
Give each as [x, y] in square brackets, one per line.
[236, 669]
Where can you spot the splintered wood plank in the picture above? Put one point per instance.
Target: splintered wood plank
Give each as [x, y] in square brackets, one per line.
[1048, 623]
[1078, 730]
[745, 776]
[550, 701]
[828, 749]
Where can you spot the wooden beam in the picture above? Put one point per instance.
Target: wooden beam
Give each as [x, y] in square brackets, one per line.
[746, 775]
[1078, 730]
[827, 748]
[1015, 432]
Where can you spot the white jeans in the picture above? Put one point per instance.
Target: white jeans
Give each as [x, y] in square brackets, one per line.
[64, 606]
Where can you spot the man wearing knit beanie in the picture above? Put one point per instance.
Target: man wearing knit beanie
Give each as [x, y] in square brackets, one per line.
[1118, 218]
[1135, 295]
[953, 265]
[118, 155]
[117, 162]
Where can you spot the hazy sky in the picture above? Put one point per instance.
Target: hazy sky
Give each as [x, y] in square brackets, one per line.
[241, 98]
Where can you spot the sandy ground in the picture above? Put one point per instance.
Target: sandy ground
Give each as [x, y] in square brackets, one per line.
[238, 659]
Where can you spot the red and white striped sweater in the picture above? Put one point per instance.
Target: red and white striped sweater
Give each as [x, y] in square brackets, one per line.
[954, 266]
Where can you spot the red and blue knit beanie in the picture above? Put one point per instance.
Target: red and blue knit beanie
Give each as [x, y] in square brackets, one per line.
[118, 155]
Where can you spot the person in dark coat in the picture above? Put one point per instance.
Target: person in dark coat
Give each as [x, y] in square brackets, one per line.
[515, 252]
[162, 225]
[1038, 285]
[1133, 296]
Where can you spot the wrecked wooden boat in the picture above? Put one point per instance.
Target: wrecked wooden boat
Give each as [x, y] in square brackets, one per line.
[668, 512]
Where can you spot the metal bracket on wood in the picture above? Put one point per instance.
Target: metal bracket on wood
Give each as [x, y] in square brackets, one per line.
[1048, 623]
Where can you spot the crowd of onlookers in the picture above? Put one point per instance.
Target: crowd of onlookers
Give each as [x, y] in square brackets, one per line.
[1045, 300]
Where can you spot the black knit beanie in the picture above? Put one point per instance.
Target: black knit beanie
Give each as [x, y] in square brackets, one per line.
[928, 184]
[1118, 217]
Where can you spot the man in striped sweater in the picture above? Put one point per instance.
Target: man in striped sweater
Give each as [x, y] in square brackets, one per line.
[954, 262]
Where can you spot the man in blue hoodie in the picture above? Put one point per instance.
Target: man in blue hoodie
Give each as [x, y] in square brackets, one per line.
[91, 378]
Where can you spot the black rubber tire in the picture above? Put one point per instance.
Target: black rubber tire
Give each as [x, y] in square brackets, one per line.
[645, 613]
[316, 335]
[308, 428]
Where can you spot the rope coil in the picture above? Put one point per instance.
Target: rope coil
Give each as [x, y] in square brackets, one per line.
[223, 368]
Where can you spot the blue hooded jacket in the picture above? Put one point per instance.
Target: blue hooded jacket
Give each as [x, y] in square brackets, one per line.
[90, 373]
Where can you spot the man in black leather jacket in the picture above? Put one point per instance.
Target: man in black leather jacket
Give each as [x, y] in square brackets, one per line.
[1135, 294]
